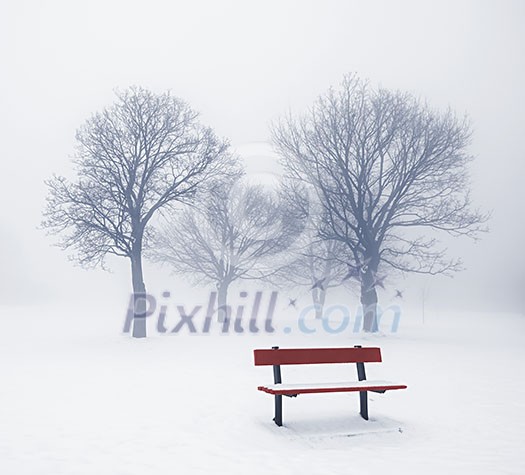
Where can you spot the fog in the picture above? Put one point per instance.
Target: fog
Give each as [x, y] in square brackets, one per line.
[242, 65]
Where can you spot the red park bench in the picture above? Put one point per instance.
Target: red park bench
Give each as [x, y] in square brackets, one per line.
[277, 357]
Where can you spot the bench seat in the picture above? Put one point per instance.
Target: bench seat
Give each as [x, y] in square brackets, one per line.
[349, 386]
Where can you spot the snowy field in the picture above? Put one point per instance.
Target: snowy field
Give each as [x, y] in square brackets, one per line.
[78, 397]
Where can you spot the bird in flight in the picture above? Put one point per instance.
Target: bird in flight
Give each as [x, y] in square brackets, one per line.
[380, 281]
[399, 294]
[292, 303]
[318, 284]
[352, 272]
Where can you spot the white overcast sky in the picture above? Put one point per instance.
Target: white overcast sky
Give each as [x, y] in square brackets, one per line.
[242, 64]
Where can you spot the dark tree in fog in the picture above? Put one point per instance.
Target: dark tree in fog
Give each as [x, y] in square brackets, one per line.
[135, 158]
[391, 174]
[234, 233]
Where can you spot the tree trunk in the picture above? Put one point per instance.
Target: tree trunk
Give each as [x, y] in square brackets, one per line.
[320, 292]
[369, 299]
[319, 297]
[139, 292]
[222, 301]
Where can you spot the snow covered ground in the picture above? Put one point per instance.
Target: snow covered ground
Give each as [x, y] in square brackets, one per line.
[78, 397]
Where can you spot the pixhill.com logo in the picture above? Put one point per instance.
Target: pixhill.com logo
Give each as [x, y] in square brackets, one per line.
[204, 318]
[255, 314]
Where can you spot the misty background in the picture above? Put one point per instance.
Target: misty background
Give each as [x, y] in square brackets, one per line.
[242, 65]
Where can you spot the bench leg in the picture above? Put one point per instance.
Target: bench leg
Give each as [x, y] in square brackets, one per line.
[363, 402]
[278, 419]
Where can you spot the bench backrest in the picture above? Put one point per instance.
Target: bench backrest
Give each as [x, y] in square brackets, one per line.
[316, 356]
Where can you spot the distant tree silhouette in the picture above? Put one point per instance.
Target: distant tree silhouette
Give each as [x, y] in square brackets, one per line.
[234, 234]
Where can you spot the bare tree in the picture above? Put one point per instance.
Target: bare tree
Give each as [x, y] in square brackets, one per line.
[319, 266]
[235, 233]
[134, 159]
[386, 167]
[316, 263]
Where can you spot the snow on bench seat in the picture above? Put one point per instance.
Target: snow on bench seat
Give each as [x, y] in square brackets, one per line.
[349, 386]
